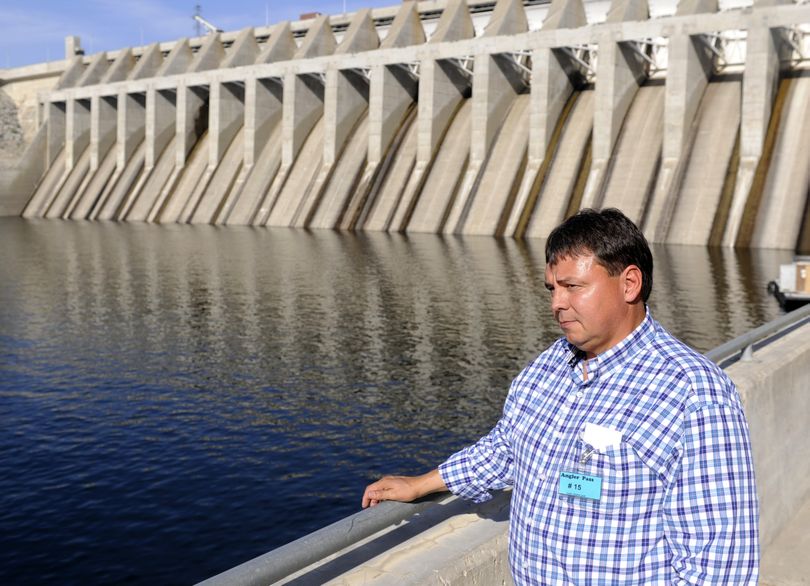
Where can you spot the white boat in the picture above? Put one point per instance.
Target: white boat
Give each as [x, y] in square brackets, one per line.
[793, 287]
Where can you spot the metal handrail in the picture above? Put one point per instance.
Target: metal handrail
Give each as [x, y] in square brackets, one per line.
[301, 553]
[309, 549]
[735, 349]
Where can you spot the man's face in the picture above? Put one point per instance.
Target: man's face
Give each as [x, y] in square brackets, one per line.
[591, 307]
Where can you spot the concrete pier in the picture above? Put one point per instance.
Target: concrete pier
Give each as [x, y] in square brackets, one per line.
[564, 166]
[704, 181]
[692, 63]
[445, 117]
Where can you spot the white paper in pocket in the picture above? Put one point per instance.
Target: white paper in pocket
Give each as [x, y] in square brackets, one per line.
[601, 437]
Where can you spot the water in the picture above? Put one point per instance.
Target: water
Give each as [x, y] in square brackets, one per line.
[176, 400]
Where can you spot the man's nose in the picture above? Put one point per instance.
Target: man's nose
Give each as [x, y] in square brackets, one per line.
[559, 299]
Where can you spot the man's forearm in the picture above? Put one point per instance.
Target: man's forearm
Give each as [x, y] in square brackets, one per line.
[429, 483]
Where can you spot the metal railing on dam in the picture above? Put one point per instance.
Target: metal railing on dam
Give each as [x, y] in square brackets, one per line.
[695, 123]
[770, 365]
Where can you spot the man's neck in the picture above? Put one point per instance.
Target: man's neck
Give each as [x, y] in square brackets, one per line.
[629, 324]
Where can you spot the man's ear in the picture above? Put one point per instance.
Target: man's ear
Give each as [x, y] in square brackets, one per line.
[632, 281]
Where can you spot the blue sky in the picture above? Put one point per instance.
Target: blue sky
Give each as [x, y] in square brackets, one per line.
[35, 31]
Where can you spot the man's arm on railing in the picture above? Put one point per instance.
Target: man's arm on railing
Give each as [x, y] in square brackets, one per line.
[403, 488]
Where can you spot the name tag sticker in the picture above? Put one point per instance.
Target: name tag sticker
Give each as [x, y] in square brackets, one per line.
[580, 485]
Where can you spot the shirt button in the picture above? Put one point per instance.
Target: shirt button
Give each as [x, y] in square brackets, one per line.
[579, 394]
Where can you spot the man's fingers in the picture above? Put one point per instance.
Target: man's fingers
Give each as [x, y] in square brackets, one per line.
[389, 488]
[373, 497]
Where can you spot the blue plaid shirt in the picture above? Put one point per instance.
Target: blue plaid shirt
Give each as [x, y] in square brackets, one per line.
[678, 499]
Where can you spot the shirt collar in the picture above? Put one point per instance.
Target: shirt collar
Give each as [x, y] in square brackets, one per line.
[607, 361]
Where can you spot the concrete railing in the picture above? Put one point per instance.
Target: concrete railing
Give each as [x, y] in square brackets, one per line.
[774, 383]
[742, 347]
[448, 541]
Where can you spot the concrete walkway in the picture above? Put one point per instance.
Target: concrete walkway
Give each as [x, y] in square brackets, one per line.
[786, 562]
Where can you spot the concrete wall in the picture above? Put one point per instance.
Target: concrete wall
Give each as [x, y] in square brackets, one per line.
[24, 94]
[460, 544]
[19, 179]
[774, 389]
[11, 133]
[22, 154]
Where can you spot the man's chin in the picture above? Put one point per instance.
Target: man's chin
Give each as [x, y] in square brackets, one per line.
[573, 340]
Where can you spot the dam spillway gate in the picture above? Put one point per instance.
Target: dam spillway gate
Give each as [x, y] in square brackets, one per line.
[696, 123]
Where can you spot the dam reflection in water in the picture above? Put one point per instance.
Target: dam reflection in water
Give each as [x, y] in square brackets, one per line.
[176, 400]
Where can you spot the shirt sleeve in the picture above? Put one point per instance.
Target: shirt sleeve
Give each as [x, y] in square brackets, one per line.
[486, 465]
[711, 512]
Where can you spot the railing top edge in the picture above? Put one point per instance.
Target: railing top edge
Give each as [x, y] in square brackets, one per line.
[723, 353]
[309, 549]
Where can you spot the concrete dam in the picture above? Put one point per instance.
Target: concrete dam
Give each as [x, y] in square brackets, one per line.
[490, 118]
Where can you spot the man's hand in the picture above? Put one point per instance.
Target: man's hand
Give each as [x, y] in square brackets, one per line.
[402, 488]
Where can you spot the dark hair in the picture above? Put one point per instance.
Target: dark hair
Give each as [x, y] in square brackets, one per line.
[610, 236]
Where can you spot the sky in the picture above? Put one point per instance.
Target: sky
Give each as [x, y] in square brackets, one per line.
[34, 31]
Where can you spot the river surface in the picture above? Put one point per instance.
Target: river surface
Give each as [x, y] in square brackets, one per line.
[177, 400]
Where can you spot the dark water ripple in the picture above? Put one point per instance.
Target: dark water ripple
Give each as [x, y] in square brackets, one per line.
[177, 400]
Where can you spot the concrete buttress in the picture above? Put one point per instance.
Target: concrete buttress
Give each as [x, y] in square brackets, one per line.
[764, 49]
[72, 74]
[56, 122]
[392, 88]
[280, 46]
[226, 148]
[621, 71]
[497, 80]
[244, 51]
[103, 119]
[443, 84]
[320, 40]
[690, 65]
[95, 70]
[454, 24]
[121, 68]
[77, 158]
[263, 105]
[149, 63]
[160, 135]
[177, 61]
[347, 93]
[77, 136]
[553, 80]
[210, 55]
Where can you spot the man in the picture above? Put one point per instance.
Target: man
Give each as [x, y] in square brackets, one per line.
[628, 452]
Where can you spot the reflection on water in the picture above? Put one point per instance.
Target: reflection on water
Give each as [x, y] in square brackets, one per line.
[176, 400]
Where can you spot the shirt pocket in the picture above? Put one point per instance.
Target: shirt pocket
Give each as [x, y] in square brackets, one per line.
[629, 486]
